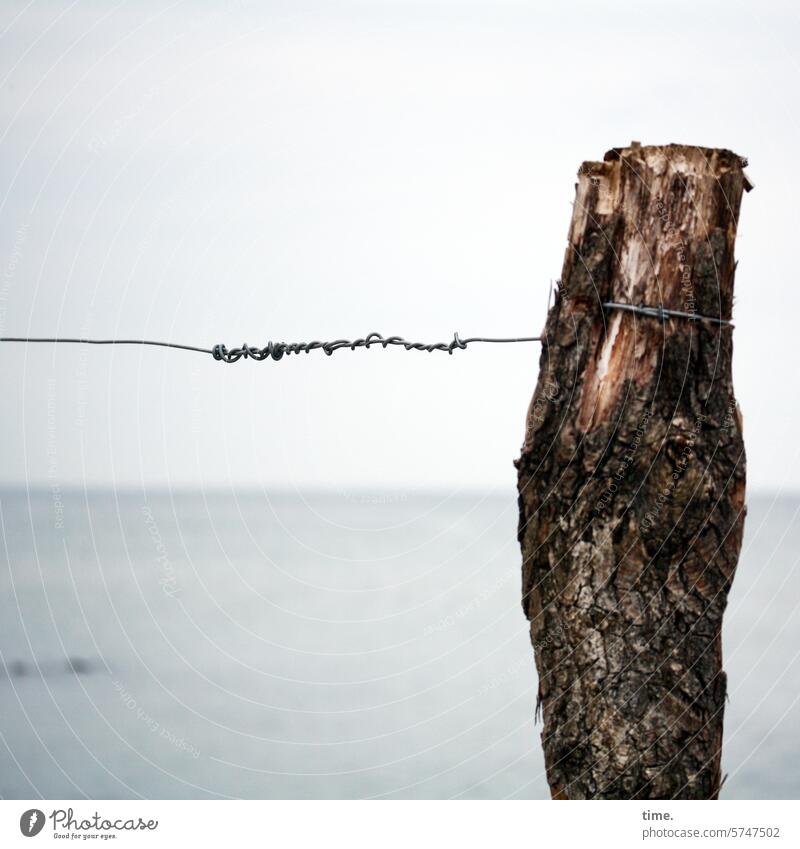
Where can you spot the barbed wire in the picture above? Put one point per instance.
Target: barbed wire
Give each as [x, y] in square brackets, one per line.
[277, 350]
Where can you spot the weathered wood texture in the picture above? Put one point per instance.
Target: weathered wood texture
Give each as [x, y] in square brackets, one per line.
[632, 480]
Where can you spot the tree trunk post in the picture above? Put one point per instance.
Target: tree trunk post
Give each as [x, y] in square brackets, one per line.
[632, 480]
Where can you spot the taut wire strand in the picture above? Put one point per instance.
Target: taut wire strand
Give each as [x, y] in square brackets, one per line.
[661, 314]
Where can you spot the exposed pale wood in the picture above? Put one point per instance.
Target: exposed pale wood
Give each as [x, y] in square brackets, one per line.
[632, 480]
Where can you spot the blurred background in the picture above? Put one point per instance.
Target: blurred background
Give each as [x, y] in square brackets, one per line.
[301, 579]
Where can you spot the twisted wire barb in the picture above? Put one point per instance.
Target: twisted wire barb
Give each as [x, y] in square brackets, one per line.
[277, 350]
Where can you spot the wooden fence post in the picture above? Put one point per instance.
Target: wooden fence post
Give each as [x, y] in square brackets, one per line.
[632, 480]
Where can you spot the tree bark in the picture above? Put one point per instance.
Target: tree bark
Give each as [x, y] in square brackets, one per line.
[632, 480]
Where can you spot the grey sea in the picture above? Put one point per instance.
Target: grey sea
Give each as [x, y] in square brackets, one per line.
[320, 645]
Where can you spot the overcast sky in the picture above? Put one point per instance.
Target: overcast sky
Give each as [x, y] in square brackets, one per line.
[244, 171]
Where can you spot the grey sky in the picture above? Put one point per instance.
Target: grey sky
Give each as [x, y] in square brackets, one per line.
[242, 172]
